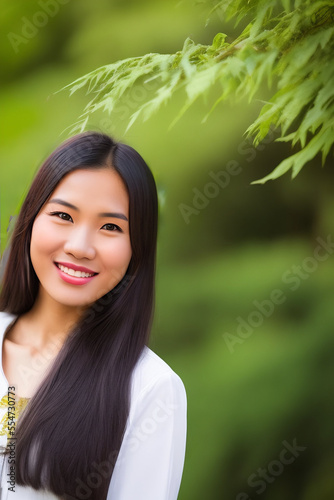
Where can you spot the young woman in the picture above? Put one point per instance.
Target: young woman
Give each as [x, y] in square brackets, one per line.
[88, 411]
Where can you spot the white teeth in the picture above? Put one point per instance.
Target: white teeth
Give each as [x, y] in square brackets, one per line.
[71, 272]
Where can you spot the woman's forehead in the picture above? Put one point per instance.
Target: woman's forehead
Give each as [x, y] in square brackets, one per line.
[94, 188]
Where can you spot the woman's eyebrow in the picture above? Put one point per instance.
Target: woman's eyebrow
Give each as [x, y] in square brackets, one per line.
[116, 215]
[62, 202]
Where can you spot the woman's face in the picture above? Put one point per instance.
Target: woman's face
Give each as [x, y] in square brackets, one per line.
[80, 242]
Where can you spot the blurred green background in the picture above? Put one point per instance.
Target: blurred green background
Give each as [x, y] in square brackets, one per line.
[244, 307]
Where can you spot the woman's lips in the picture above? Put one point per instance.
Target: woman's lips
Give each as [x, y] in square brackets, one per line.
[69, 265]
[75, 275]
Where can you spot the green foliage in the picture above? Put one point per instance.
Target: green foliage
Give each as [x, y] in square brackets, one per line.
[286, 44]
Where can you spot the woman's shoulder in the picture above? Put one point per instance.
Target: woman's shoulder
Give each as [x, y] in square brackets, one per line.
[5, 320]
[6, 316]
[151, 367]
[153, 374]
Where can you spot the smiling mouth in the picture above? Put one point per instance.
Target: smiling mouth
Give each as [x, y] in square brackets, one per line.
[76, 274]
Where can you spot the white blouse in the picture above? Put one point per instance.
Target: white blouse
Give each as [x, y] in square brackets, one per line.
[150, 463]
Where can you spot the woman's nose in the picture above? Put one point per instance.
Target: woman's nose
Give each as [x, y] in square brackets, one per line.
[80, 244]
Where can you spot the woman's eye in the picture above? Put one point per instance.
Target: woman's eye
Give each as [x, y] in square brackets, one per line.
[112, 227]
[62, 215]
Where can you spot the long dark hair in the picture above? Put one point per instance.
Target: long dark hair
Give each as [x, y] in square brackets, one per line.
[76, 420]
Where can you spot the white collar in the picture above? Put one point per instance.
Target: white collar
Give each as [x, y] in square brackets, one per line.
[5, 320]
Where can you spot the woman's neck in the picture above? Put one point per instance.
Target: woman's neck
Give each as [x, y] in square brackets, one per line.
[50, 321]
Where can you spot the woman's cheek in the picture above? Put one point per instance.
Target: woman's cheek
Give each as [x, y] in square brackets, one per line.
[44, 239]
[119, 254]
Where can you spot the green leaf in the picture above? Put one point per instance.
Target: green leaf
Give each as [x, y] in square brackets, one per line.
[322, 141]
[285, 45]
